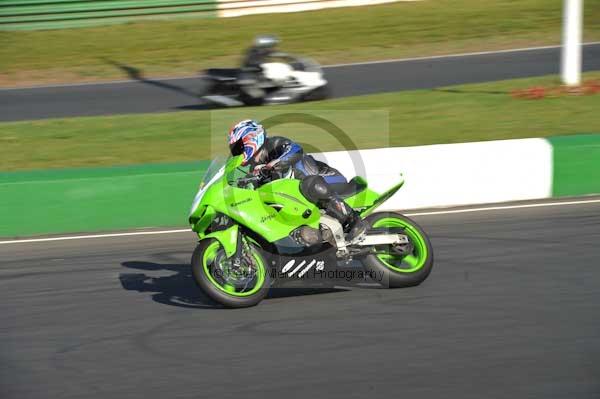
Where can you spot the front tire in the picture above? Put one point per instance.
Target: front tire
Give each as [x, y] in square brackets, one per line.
[391, 269]
[238, 289]
[320, 93]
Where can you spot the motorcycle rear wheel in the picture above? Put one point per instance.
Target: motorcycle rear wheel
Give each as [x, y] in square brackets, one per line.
[318, 94]
[212, 280]
[252, 97]
[394, 269]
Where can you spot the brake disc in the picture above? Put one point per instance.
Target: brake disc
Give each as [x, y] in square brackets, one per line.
[238, 276]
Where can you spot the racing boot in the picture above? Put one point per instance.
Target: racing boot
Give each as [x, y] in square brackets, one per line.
[356, 227]
[348, 217]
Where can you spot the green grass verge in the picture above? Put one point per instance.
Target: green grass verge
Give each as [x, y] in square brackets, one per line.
[181, 47]
[458, 114]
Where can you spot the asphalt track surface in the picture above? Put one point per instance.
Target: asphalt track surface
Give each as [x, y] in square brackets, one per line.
[511, 310]
[145, 95]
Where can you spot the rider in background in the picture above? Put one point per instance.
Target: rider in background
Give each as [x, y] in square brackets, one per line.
[280, 157]
[251, 73]
[262, 48]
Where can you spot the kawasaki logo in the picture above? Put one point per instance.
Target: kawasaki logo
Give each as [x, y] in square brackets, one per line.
[234, 204]
[292, 268]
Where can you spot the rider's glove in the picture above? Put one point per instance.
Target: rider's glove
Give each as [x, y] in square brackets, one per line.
[263, 170]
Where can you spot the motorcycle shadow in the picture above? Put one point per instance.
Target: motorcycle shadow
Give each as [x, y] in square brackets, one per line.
[179, 289]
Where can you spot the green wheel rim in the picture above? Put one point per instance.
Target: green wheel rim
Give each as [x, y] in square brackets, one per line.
[210, 253]
[416, 260]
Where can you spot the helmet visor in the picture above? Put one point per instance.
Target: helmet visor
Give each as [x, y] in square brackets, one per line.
[237, 148]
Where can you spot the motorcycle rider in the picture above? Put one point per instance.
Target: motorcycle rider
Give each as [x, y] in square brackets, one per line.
[251, 74]
[278, 157]
[262, 48]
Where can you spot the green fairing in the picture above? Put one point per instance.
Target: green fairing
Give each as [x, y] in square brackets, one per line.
[208, 215]
[363, 199]
[227, 238]
[380, 199]
[253, 208]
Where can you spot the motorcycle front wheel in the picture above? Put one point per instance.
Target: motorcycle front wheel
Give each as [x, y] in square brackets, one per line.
[233, 286]
[401, 265]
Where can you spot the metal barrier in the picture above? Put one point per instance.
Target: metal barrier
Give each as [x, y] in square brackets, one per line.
[237, 8]
[55, 14]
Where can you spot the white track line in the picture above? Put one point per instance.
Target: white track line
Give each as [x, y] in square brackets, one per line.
[504, 207]
[64, 238]
[445, 212]
[432, 57]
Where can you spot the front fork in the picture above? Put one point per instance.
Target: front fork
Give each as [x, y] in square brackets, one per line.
[237, 258]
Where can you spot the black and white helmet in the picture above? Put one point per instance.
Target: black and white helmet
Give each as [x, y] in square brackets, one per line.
[266, 41]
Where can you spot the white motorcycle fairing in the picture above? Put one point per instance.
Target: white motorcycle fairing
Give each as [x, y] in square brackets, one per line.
[284, 82]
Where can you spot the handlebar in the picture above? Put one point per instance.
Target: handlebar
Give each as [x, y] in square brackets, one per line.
[245, 181]
[264, 176]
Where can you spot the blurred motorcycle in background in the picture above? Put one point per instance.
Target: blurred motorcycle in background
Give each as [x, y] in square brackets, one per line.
[266, 77]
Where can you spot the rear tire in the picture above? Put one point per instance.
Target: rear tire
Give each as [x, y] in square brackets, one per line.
[209, 278]
[252, 97]
[395, 271]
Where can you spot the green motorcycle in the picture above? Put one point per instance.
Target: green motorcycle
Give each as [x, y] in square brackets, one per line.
[255, 235]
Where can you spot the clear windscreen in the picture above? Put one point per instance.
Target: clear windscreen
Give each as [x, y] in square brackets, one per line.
[215, 166]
